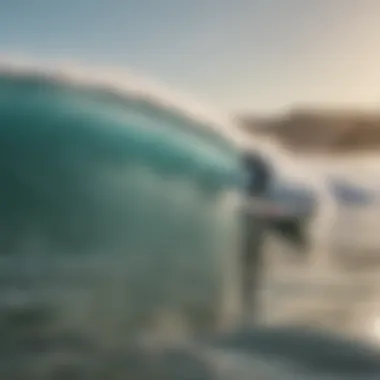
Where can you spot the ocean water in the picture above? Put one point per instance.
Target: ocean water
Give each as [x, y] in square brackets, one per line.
[120, 227]
[119, 219]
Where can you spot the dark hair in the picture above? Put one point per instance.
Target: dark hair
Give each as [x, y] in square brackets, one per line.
[259, 172]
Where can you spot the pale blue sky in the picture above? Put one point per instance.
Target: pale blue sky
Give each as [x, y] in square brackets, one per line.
[235, 54]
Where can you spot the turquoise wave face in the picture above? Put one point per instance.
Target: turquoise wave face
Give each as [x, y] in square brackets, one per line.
[114, 213]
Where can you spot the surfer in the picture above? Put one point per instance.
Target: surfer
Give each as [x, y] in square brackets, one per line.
[264, 215]
[259, 175]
